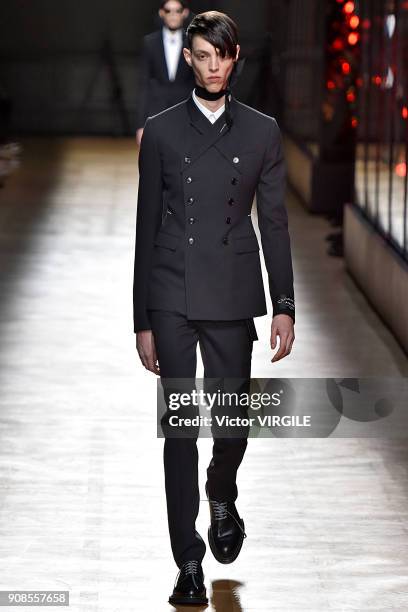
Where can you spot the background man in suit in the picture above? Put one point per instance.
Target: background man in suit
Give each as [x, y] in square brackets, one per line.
[198, 278]
[165, 77]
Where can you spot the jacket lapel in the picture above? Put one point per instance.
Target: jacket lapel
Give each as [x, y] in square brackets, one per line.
[162, 55]
[181, 60]
[202, 134]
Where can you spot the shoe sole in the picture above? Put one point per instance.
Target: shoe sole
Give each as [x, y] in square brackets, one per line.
[192, 601]
[215, 551]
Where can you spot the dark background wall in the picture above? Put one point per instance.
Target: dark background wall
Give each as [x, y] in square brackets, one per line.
[51, 65]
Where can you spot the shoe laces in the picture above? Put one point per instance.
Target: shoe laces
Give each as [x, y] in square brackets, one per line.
[221, 511]
[189, 567]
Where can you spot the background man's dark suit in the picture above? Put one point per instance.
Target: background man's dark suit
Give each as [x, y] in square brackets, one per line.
[156, 90]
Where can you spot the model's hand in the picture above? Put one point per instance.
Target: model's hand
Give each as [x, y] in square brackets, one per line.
[282, 326]
[139, 134]
[147, 350]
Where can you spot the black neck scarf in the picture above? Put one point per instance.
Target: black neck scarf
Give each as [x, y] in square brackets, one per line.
[202, 92]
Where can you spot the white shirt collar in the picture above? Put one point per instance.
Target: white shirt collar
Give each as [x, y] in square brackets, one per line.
[211, 116]
[178, 34]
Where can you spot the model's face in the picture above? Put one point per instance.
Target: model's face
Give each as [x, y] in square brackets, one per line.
[210, 69]
[173, 15]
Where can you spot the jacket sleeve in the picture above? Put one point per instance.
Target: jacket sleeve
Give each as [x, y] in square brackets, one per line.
[143, 85]
[148, 220]
[273, 225]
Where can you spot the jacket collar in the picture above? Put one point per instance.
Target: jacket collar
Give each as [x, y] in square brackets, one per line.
[200, 121]
[206, 134]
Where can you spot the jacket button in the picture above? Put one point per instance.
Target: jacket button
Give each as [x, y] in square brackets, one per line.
[234, 181]
[235, 160]
[225, 240]
[228, 220]
[231, 201]
[188, 179]
[187, 160]
[191, 240]
[190, 200]
[191, 220]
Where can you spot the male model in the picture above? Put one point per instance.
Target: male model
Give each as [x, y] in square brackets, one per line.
[197, 273]
[165, 77]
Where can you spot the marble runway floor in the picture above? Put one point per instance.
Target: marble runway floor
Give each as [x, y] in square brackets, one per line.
[82, 505]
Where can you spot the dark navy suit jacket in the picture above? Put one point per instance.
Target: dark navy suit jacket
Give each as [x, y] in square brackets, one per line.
[156, 92]
[196, 250]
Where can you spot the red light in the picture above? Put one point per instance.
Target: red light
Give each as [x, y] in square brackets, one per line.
[404, 112]
[354, 21]
[353, 38]
[348, 7]
[330, 84]
[345, 66]
[377, 79]
[401, 169]
[351, 96]
[366, 24]
[359, 82]
[338, 44]
[354, 122]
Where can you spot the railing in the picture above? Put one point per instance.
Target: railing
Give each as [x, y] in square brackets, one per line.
[382, 149]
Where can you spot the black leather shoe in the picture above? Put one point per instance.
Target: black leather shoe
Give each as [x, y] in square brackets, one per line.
[189, 587]
[227, 530]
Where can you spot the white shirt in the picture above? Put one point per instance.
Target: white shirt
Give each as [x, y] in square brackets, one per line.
[212, 116]
[173, 43]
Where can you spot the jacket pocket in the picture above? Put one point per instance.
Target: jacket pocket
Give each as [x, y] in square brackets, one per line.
[246, 244]
[169, 241]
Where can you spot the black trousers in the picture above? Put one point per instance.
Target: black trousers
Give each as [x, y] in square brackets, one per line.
[226, 350]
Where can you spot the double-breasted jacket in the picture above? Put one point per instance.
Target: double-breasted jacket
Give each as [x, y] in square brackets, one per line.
[196, 249]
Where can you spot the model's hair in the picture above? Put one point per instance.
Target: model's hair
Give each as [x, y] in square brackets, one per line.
[183, 3]
[216, 28]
